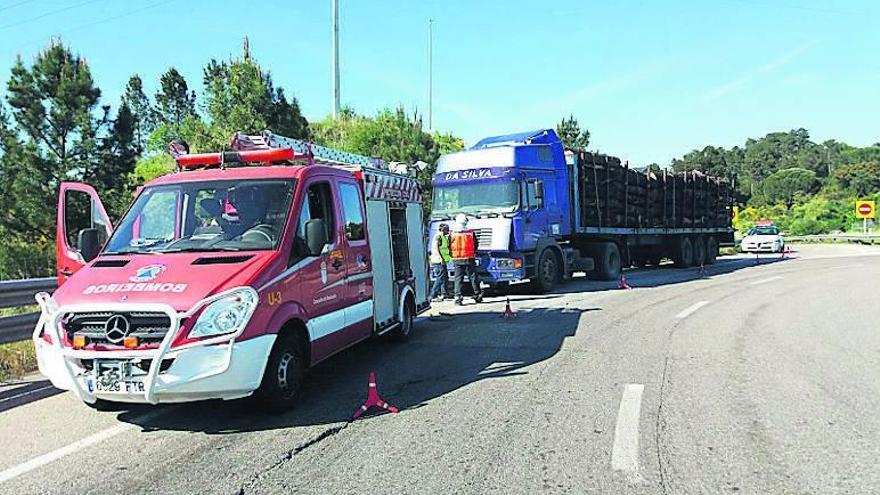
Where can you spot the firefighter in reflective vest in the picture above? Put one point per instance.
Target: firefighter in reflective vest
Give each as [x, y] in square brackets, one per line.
[464, 258]
[440, 257]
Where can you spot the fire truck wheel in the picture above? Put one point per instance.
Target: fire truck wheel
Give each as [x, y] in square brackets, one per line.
[285, 371]
[404, 330]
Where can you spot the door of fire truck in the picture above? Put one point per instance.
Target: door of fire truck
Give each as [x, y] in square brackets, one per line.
[82, 228]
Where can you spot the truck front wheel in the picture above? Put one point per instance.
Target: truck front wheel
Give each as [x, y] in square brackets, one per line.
[548, 271]
[684, 252]
[607, 259]
[285, 372]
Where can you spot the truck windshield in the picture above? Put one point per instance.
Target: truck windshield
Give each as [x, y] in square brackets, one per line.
[475, 197]
[205, 216]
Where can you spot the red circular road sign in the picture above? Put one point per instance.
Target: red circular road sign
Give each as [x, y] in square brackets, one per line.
[865, 209]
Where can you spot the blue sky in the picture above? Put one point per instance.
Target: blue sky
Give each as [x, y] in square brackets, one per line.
[650, 79]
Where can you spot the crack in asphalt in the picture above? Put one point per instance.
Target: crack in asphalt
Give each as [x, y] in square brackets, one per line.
[658, 426]
[290, 454]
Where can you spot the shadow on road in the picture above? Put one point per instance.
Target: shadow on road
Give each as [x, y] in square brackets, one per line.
[440, 358]
[665, 274]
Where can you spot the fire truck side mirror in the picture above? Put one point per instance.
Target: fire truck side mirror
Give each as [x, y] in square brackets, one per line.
[316, 236]
[89, 243]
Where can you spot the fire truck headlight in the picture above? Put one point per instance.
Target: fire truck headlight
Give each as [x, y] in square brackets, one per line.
[226, 315]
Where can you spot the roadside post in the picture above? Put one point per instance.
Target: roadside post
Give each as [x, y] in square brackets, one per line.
[865, 210]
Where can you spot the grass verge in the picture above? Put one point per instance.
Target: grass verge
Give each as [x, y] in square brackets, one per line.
[17, 359]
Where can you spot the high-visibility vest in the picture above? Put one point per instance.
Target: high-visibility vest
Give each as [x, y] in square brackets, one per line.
[463, 245]
[440, 249]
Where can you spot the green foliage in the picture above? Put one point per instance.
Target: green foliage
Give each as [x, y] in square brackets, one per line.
[26, 259]
[151, 166]
[142, 110]
[573, 138]
[391, 135]
[240, 96]
[54, 137]
[174, 100]
[859, 178]
[784, 185]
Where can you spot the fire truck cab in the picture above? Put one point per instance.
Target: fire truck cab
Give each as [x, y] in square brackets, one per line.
[231, 276]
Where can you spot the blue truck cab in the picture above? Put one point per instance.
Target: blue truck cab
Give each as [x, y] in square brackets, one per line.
[515, 192]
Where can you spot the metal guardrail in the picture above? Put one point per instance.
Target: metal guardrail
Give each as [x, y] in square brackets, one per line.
[14, 293]
[857, 238]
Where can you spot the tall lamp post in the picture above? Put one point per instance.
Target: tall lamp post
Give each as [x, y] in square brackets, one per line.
[335, 64]
[430, 73]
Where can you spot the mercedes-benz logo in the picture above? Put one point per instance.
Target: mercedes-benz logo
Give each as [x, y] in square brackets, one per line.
[116, 328]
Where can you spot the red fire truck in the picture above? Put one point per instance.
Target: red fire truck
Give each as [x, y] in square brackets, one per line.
[231, 276]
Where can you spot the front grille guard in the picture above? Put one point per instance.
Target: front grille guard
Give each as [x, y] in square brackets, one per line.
[49, 321]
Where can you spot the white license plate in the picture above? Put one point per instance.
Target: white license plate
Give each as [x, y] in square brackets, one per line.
[105, 385]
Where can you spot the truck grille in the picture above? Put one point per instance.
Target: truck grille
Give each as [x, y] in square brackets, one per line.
[484, 238]
[148, 327]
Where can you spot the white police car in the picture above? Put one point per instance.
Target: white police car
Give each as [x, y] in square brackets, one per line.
[763, 238]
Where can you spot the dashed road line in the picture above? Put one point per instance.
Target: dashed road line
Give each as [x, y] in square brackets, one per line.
[625, 451]
[49, 457]
[764, 281]
[690, 309]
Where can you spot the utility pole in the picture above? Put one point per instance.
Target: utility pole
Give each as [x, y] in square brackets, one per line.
[335, 59]
[430, 73]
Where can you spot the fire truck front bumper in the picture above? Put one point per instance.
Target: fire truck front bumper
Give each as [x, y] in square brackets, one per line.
[227, 371]
[217, 368]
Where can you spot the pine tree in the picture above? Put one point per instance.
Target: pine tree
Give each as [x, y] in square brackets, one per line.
[573, 138]
[52, 104]
[174, 100]
[141, 110]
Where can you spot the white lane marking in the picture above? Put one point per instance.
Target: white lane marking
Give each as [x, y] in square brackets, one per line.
[764, 281]
[88, 441]
[625, 451]
[690, 309]
[29, 392]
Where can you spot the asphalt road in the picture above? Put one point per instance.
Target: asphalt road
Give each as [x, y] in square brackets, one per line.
[746, 379]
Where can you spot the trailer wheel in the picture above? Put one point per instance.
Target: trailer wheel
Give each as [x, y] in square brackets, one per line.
[684, 252]
[548, 271]
[699, 251]
[711, 250]
[285, 372]
[607, 260]
[404, 330]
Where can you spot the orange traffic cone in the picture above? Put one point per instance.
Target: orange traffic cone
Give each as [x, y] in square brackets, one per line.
[622, 283]
[786, 251]
[373, 399]
[508, 313]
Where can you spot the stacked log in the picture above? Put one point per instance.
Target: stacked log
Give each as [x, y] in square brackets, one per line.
[614, 195]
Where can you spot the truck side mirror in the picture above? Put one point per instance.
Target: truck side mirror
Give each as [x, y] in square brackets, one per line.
[89, 243]
[539, 190]
[316, 236]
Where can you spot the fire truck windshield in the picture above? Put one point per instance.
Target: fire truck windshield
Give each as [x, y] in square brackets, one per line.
[205, 216]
